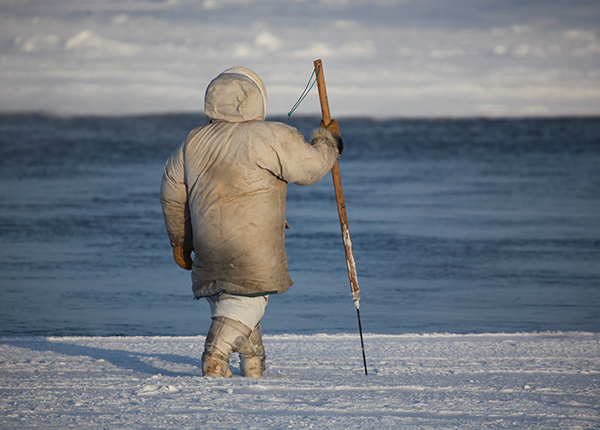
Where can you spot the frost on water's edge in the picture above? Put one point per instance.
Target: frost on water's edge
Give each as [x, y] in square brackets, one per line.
[320, 336]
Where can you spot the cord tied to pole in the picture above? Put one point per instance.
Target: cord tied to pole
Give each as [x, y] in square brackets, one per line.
[309, 86]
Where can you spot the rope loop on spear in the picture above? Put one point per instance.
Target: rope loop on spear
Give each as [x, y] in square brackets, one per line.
[309, 86]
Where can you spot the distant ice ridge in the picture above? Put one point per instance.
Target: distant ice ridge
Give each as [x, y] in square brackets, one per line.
[132, 56]
[428, 381]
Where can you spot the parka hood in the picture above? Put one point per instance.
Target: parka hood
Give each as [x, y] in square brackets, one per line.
[236, 95]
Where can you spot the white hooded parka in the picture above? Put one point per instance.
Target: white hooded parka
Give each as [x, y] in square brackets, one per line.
[224, 188]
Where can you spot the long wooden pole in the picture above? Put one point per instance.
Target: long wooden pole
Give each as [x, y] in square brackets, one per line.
[339, 196]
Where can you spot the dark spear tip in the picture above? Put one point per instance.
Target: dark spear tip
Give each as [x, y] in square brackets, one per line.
[362, 343]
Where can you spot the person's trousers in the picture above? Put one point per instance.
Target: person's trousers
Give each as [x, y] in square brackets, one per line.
[247, 310]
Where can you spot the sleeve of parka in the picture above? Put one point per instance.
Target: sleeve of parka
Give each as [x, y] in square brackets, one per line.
[173, 198]
[288, 156]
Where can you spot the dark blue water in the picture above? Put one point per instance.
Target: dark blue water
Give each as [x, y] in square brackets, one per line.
[458, 226]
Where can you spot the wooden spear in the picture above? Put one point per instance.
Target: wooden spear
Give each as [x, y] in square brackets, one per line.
[339, 196]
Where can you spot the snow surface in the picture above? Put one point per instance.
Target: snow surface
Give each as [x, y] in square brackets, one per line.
[437, 381]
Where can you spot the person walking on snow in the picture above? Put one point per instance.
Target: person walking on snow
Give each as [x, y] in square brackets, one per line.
[223, 197]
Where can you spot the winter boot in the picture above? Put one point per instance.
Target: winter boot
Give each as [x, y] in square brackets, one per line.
[225, 337]
[252, 355]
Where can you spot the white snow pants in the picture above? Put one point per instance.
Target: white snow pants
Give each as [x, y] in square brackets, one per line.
[247, 310]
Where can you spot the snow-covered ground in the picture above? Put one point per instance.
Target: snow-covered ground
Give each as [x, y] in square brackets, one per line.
[438, 381]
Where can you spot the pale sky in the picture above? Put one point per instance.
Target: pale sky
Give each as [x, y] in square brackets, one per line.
[382, 58]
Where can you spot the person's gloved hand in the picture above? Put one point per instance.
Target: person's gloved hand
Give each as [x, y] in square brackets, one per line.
[334, 128]
[182, 254]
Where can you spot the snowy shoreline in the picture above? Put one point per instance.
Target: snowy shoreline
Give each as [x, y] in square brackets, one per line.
[545, 380]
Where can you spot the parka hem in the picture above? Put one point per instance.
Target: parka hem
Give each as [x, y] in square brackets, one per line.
[214, 287]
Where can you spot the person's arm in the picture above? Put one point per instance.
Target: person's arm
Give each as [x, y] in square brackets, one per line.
[173, 198]
[289, 157]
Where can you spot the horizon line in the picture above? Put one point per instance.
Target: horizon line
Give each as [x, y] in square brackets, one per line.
[302, 116]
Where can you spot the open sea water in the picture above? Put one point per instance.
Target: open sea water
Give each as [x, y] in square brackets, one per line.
[461, 226]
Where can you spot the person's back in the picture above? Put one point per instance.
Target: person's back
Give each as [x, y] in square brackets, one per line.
[237, 212]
